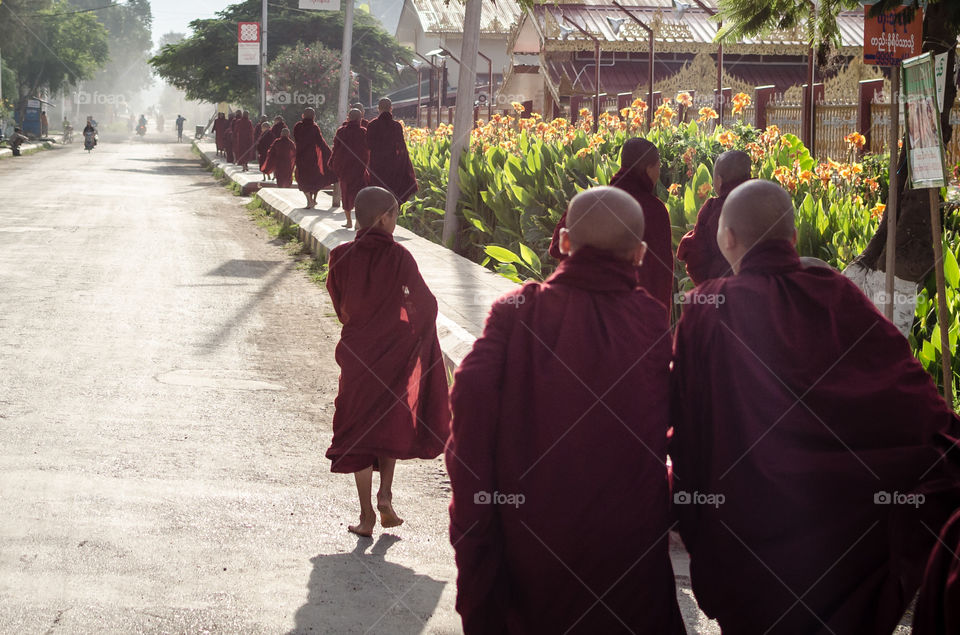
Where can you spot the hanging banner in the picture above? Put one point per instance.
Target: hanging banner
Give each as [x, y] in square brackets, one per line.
[248, 44]
[320, 5]
[925, 155]
[940, 72]
[889, 39]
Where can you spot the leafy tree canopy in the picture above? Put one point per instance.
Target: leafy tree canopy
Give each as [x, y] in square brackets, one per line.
[130, 41]
[205, 64]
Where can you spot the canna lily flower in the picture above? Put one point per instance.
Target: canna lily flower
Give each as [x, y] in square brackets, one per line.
[685, 100]
[727, 139]
[877, 210]
[855, 140]
[740, 103]
[674, 189]
[707, 113]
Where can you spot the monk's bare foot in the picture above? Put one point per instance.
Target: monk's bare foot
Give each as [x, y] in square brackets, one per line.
[348, 225]
[365, 526]
[388, 517]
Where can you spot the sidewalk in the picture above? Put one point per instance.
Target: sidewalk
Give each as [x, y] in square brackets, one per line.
[464, 290]
[27, 147]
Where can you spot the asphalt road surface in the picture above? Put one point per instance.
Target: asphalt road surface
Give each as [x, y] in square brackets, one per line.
[166, 394]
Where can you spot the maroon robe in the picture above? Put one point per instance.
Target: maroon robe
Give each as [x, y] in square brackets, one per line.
[219, 131]
[264, 142]
[393, 383]
[699, 250]
[564, 402]
[390, 166]
[656, 273]
[349, 160]
[312, 156]
[243, 134]
[803, 408]
[281, 159]
[938, 607]
[228, 139]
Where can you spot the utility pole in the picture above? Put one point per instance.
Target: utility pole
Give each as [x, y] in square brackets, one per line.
[463, 115]
[263, 60]
[343, 103]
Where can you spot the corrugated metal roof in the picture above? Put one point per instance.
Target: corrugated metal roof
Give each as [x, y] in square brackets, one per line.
[446, 16]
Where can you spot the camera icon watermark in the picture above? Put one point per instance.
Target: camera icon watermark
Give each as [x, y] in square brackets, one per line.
[899, 299]
[896, 498]
[695, 297]
[498, 498]
[698, 498]
[296, 98]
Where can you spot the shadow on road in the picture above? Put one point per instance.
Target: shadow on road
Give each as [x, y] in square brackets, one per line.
[363, 592]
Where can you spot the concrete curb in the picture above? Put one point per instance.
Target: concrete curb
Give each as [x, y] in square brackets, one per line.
[27, 147]
[464, 290]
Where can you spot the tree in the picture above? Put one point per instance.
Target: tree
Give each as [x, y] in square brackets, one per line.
[204, 65]
[49, 44]
[941, 26]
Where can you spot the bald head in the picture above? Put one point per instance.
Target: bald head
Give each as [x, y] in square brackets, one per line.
[638, 154]
[810, 262]
[371, 204]
[309, 113]
[606, 218]
[285, 132]
[730, 170]
[754, 212]
[385, 105]
[354, 115]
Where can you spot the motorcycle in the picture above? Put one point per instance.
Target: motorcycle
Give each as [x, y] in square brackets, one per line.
[141, 129]
[67, 135]
[89, 141]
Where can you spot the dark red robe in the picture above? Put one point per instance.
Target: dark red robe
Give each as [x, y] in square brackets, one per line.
[393, 383]
[219, 132]
[264, 142]
[699, 250]
[803, 408]
[938, 607]
[390, 166]
[312, 156]
[281, 159]
[564, 402]
[349, 160]
[243, 135]
[228, 139]
[656, 273]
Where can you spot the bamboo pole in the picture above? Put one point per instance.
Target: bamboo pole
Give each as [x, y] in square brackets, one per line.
[943, 313]
[891, 210]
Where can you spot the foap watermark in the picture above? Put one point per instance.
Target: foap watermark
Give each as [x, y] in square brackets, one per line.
[515, 300]
[100, 99]
[695, 297]
[896, 498]
[296, 98]
[498, 498]
[899, 299]
[698, 498]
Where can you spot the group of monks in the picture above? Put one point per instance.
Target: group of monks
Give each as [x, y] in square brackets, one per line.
[364, 153]
[813, 468]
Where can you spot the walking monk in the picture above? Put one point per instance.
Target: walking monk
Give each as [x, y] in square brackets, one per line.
[810, 448]
[560, 416]
[264, 141]
[349, 160]
[390, 166]
[228, 138]
[281, 159]
[392, 402]
[698, 249]
[313, 153]
[219, 131]
[638, 176]
[244, 132]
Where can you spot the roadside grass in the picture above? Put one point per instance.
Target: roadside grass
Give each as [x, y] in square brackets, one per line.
[25, 153]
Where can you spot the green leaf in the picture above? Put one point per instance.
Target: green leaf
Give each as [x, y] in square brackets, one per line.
[950, 269]
[530, 258]
[501, 254]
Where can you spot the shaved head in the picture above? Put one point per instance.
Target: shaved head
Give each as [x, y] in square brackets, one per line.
[810, 261]
[638, 154]
[606, 218]
[385, 105]
[372, 203]
[309, 113]
[354, 115]
[730, 170]
[285, 132]
[754, 212]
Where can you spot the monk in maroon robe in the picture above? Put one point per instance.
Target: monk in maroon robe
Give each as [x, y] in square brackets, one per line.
[281, 159]
[364, 122]
[228, 138]
[392, 402]
[638, 175]
[938, 607]
[313, 153]
[264, 141]
[390, 166]
[349, 160]
[244, 140]
[236, 136]
[810, 448]
[219, 131]
[698, 249]
[560, 417]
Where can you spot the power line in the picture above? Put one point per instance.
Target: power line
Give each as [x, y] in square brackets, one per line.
[55, 15]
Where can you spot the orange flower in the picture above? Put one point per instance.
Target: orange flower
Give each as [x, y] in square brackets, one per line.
[855, 140]
[740, 103]
[704, 190]
[873, 184]
[770, 135]
[877, 210]
[639, 104]
[786, 178]
[727, 139]
[805, 176]
[824, 172]
[756, 151]
[584, 152]
[707, 113]
[685, 100]
[674, 189]
[688, 156]
[518, 107]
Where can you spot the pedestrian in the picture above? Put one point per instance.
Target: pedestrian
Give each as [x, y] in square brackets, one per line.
[44, 124]
[560, 418]
[15, 141]
[243, 134]
[638, 174]
[392, 403]
[180, 122]
[313, 154]
[698, 249]
[390, 166]
[264, 141]
[363, 110]
[220, 132]
[810, 448]
[234, 127]
[349, 160]
[281, 159]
